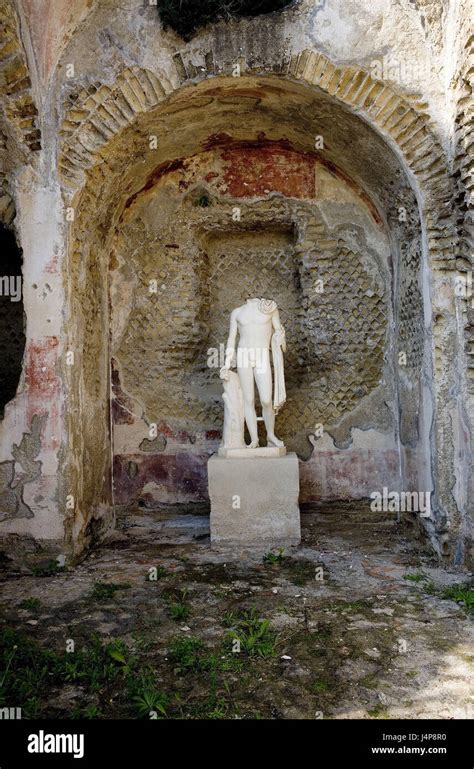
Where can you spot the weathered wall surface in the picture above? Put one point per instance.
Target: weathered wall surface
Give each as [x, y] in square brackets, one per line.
[375, 80]
[32, 431]
[304, 238]
[32, 428]
[461, 100]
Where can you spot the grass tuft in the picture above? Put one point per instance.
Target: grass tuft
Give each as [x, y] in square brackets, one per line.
[105, 591]
[31, 604]
[274, 558]
[418, 576]
[250, 634]
[463, 595]
[48, 569]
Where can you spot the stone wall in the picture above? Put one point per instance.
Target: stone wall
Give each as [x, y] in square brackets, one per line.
[182, 262]
[32, 428]
[129, 110]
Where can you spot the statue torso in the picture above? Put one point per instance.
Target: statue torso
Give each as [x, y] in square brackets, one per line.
[255, 327]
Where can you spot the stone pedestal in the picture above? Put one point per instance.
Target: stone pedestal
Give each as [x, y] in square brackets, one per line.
[254, 501]
[245, 453]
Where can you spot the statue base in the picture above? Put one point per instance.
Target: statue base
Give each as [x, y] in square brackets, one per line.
[246, 453]
[254, 504]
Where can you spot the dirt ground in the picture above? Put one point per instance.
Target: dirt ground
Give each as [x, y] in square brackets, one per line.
[355, 623]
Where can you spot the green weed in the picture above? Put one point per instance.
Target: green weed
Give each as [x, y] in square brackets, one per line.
[418, 576]
[31, 604]
[463, 595]
[47, 570]
[186, 653]
[274, 558]
[105, 591]
[252, 635]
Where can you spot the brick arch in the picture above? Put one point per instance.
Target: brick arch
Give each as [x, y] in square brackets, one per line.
[18, 107]
[464, 175]
[7, 204]
[20, 136]
[101, 112]
[98, 113]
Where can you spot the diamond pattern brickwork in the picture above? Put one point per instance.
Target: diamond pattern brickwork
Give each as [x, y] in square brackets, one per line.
[336, 337]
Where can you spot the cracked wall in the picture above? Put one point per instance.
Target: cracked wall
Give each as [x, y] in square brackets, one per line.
[16, 474]
[387, 85]
[306, 239]
[270, 123]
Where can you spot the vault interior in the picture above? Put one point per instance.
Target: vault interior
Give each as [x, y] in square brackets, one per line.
[343, 359]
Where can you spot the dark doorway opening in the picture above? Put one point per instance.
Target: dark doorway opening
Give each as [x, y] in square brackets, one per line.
[12, 317]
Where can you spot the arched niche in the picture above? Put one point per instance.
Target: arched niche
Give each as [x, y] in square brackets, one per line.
[226, 116]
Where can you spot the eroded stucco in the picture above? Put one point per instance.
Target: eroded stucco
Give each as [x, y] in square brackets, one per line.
[387, 87]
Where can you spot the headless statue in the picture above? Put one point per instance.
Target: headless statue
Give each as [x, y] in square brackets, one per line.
[257, 323]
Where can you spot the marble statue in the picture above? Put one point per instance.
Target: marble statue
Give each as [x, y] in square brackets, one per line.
[257, 324]
[233, 433]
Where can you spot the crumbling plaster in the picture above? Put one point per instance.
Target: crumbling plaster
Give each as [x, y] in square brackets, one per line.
[133, 39]
[184, 132]
[203, 265]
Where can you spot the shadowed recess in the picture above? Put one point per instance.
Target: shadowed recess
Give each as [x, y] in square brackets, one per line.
[186, 16]
[12, 325]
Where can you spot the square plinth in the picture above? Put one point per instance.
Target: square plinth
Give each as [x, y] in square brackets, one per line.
[254, 502]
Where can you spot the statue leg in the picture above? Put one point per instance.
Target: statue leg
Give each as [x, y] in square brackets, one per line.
[248, 391]
[263, 377]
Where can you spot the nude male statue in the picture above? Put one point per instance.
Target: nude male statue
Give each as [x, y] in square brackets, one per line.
[258, 324]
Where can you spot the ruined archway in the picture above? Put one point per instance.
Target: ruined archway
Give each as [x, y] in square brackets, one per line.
[108, 135]
[175, 178]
